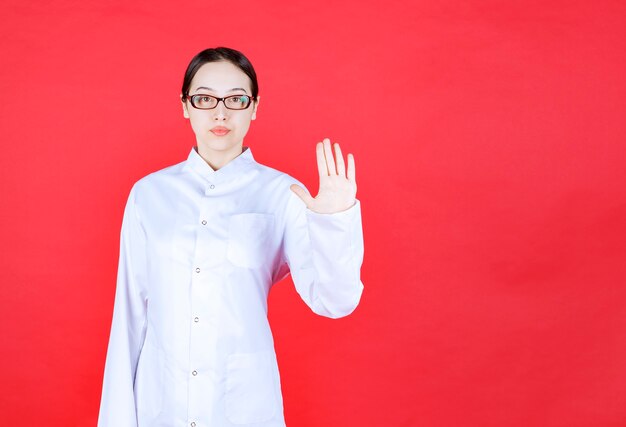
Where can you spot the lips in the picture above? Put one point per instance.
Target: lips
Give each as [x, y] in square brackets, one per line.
[220, 130]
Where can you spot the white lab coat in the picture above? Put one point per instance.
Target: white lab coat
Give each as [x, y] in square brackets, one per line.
[190, 343]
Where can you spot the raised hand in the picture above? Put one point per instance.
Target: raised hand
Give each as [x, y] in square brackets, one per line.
[337, 189]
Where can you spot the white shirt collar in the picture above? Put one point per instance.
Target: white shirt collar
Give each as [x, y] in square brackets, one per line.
[230, 170]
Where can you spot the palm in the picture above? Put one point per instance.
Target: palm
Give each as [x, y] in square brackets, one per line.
[337, 185]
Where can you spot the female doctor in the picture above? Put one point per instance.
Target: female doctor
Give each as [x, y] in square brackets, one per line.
[202, 242]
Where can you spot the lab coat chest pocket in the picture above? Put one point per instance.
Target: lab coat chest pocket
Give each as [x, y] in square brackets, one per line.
[251, 387]
[248, 239]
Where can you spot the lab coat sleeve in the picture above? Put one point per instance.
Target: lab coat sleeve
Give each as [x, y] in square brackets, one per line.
[324, 253]
[128, 327]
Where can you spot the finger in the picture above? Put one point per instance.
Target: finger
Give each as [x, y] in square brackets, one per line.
[341, 166]
[321, 161]
[302, 193]
[351, 168]
[330, 161]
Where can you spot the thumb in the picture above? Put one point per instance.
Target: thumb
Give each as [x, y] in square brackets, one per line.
[302, 193]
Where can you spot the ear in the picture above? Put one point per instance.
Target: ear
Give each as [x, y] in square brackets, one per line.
[185, 112]
[256, 105]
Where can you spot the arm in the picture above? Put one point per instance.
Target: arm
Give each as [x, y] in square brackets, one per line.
[324, 253]
[128, 327]
[323, 241]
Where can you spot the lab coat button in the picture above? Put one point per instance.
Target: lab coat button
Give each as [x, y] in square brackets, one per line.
[197, 270]
[204, 222]
[194, 373]
[196, 319]
[211, 186]
[192, 424]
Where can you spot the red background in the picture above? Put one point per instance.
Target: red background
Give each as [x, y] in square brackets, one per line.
[489, 145]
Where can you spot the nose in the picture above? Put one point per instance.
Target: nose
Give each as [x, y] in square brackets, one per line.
[220, 112]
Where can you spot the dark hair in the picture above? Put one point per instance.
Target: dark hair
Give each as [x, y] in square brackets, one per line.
[219, 54]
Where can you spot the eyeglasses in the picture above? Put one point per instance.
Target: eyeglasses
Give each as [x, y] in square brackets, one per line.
[208, 102]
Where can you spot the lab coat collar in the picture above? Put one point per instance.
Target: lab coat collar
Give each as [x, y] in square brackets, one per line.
[230, 170]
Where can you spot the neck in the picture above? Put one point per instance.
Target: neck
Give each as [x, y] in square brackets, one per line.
[218, 158]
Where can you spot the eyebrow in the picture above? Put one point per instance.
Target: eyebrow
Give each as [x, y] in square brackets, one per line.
[213, 90]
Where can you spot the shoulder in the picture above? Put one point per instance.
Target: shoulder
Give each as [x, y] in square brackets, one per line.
[278, 177]
[155, 181]
[275, 180]
[158, 177]
[275, 188]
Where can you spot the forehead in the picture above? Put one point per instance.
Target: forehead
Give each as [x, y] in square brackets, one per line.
[221, 76]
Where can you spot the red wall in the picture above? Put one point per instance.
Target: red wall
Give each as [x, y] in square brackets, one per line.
[489, 140]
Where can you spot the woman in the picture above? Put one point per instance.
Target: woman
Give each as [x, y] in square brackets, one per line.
[202, 243]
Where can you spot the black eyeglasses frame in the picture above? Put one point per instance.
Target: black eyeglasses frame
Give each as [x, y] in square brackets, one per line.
[192, 99]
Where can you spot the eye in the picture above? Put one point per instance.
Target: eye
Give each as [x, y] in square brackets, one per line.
[240, 99]
[203, 101]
